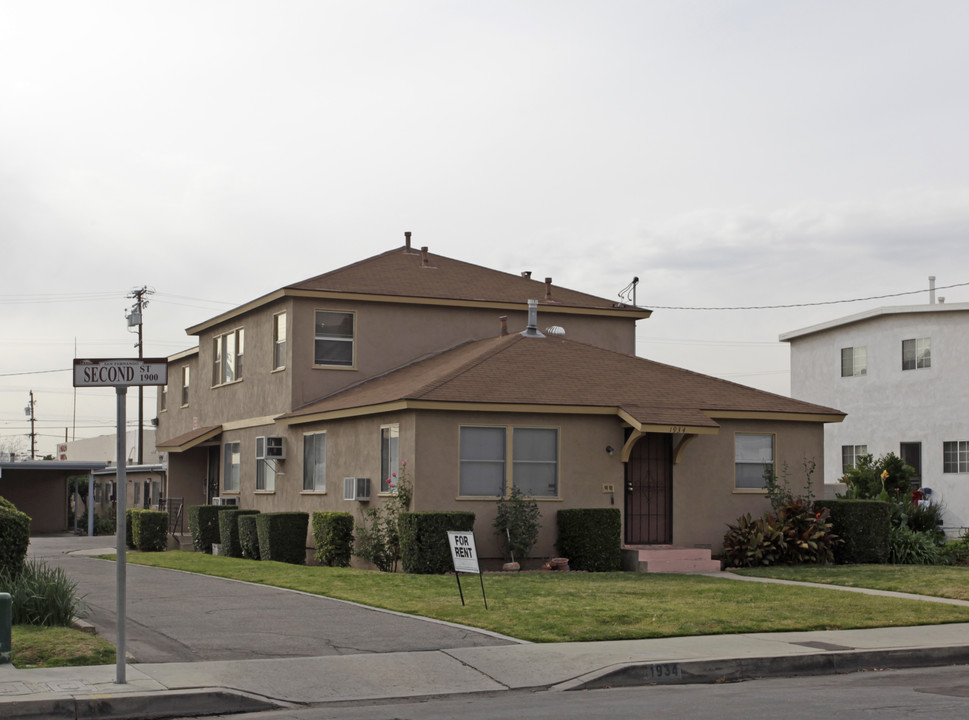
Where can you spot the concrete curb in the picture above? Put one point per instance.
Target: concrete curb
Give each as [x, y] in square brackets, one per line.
[148, 706]
[739, 669]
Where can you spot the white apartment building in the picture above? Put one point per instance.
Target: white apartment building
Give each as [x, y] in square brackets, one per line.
[902, 376]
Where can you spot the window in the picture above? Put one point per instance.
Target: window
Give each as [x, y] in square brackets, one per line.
[279, 341]
[265, 474]
[185, 374]
[163, 399]
[916, 354]
[227, 351]
[334, 338]
[955, 457]
[911, 454]
[754, 456]
[482, 461]
[389, 456]
[850, 455]
[854, 361]
[135, 494]
[314, 462]
[535, 453]
[231, 461]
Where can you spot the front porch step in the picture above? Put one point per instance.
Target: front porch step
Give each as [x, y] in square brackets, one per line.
[668, 559]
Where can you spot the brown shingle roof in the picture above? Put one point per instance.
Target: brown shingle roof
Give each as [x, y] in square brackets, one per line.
[556, 371]
[400, 273]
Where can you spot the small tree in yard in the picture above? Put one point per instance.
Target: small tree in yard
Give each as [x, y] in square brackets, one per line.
[378, 536]
[516, 524]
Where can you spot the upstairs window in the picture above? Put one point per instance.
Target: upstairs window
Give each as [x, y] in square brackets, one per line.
[854, 361]
[916, 354]
[185, 379]
[227, 352]
[279, 341]
[334, 339]
[955, 457]
[754, 455]
[850, 455]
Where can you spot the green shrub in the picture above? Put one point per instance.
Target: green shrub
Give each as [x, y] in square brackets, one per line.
[203, 523]
[103, 524]
[378, 535]
[14, 539]
[42, 595]
[149, 529]
[282, 536]
[248, 536]
[333, 537]
[863, 526]
[797, 534]
[865, 480]
[129, 528]
[229, 531]
[6, 504]
[424, 541]
[907, 547]
[955, 552]
[516, 524]
[591, 538]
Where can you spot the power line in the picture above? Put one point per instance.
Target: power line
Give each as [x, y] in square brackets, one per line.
[797, 305]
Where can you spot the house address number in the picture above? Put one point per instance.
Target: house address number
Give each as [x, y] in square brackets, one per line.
[663, 672]
[677, 428]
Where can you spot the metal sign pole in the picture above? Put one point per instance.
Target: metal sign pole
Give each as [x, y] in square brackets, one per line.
[121, 558]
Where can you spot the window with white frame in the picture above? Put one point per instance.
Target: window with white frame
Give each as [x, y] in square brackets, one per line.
[482, 452]
[850, 455]
[535, 454]
[185, 383]
[916, 353]
[279, 341]
[754, 457]
[389, 456]
[231, 462]
[955, 456]
[265, 475]
[854, 361]
[227, 352]
[314, 462]
[334, 338]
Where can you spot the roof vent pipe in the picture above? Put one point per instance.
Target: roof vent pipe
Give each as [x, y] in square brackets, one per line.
[504, 324]
[931, 289]
[424, 260]
[407, 239]
[532, 329]
[527, 274]
[548, 288]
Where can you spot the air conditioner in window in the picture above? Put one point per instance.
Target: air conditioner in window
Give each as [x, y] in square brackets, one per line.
[270, 447]
[225, 501]
[356, 488]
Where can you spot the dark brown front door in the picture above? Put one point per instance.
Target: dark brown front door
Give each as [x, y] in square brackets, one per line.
[649, 491]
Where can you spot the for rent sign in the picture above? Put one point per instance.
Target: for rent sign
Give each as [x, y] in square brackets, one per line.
[463, 553]
[120, 372]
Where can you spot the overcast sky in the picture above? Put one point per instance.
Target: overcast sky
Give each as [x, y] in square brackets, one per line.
[728, 153]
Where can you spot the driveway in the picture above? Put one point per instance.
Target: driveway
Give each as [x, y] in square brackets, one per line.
[182, 617]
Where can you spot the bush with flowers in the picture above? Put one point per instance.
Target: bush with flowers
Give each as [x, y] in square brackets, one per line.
[378, 535]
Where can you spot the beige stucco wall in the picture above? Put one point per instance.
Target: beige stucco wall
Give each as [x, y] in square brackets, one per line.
[704, 497]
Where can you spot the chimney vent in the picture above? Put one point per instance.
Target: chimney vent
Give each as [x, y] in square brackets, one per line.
[504, 324]
[527, 274]
[548, 288]
[424, 260]
[532, 330]
[931, 289]
[407, 240]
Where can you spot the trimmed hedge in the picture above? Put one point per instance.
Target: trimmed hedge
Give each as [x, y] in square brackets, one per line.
[229, 531]
[591, 538]
[282, 536]
[248, 536]
[203, 523]
[149, 530]
[333, 536]
[14, 539]
[129, 529]
[864, 527]
[423, 540]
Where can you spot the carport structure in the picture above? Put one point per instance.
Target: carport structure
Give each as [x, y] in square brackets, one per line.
[39, 488]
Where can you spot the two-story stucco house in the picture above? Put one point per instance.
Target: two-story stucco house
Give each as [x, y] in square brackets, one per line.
[901, 375]
[291, 400]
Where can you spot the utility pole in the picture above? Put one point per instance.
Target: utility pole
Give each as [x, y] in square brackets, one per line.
[136, 318]
[29, 412]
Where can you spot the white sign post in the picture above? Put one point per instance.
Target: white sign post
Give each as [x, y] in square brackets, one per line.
[119, 373]
[465, 559]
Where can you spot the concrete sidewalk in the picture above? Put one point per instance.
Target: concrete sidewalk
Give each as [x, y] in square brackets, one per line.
[199, 688]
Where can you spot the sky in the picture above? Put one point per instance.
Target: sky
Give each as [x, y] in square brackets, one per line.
[728, 153]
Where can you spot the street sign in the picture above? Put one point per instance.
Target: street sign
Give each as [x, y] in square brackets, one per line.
[120, 372]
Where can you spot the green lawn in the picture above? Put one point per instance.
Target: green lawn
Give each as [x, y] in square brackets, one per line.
[562, 607]
[940, 581]
[37, 646]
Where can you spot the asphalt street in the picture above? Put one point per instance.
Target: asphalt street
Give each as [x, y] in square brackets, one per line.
[183, 617]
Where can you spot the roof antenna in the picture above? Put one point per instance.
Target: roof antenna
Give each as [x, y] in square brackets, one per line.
[628, 293]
